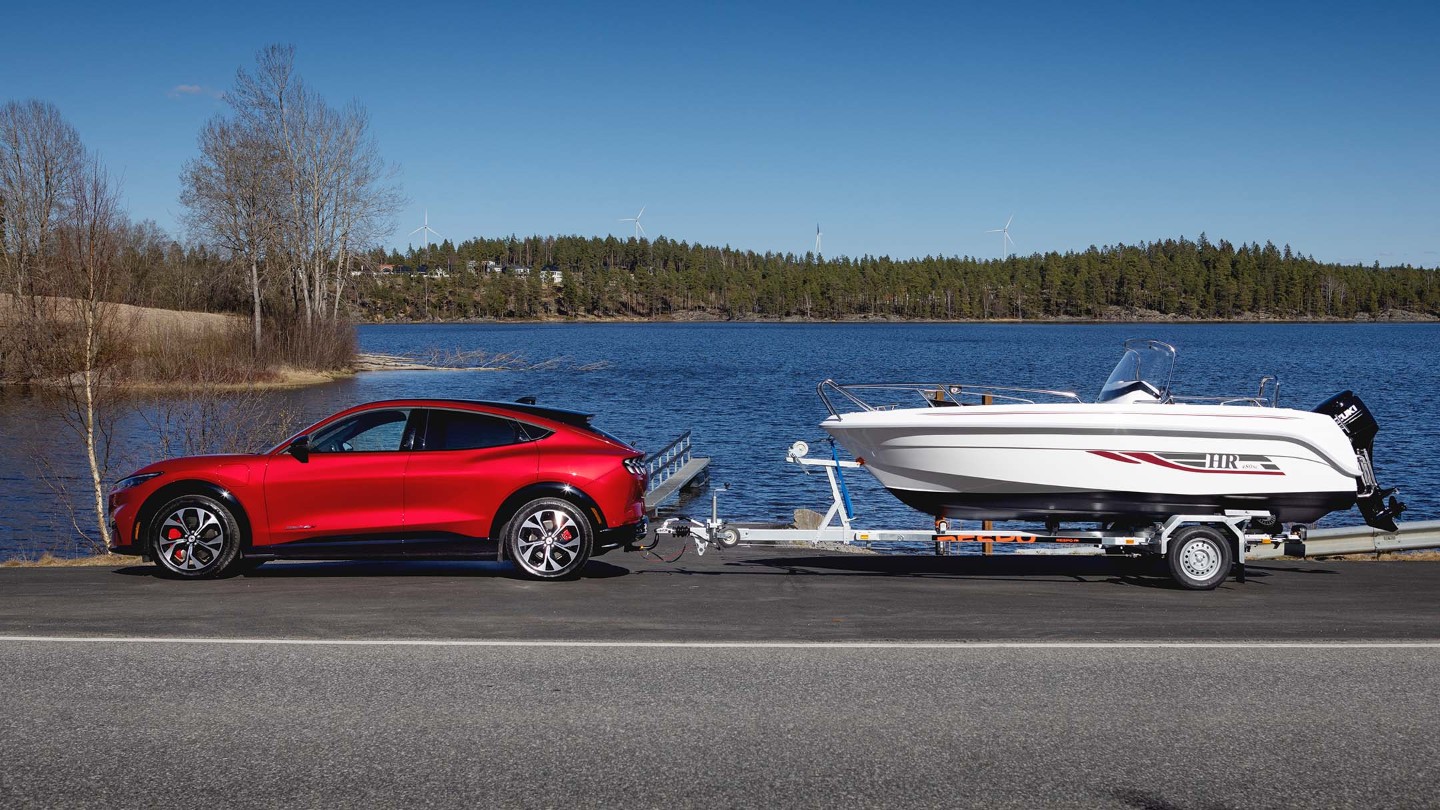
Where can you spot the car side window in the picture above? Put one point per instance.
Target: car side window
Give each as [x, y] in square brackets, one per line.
[461, 430]
[369, 432]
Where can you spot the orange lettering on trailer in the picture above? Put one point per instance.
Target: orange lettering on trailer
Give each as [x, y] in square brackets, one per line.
[993, 538]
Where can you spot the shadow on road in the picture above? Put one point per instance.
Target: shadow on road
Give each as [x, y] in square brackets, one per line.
[317, 569]
[1095, 570]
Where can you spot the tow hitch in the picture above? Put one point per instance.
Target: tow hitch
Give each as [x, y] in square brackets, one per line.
[713, 531]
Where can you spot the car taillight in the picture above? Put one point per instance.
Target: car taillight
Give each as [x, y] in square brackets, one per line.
[636, 467]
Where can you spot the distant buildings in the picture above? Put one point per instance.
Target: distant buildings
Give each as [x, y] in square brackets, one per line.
[549, 275]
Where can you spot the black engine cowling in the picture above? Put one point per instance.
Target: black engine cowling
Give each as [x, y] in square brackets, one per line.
[1379, 506]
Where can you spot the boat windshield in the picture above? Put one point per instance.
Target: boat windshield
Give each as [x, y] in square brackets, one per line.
[1142, 375]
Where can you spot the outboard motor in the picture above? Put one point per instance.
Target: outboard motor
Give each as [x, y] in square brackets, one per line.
[1350, 413]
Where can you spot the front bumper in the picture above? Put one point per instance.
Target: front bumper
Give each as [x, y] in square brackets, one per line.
[124, 509]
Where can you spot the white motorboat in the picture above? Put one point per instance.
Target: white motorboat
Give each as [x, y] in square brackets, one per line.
[1137, 453]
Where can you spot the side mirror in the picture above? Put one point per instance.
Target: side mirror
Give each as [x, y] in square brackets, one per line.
[300, 448]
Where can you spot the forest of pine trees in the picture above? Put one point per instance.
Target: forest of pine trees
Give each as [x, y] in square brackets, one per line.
[592, 277]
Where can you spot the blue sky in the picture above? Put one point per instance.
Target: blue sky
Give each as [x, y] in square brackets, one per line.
[902, 129]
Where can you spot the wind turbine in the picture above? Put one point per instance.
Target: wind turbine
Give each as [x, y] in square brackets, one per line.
[1005, 240]
[427, 230]
[817, 238]
[639, 229]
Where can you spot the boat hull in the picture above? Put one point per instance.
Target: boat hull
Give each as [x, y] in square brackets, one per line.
[1100, 462]
[1304, 507]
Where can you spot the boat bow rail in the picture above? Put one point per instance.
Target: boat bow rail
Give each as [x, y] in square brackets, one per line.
[934, 395]
[938, 395]
[1260, 400]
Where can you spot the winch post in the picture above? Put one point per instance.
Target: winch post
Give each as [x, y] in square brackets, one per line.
[837, 506]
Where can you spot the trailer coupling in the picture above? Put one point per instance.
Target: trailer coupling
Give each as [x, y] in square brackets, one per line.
[713, 531]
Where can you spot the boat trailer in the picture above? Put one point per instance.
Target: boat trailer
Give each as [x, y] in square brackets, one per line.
[1200, 550]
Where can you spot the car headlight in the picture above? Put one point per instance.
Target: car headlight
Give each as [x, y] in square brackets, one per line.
[134, 480]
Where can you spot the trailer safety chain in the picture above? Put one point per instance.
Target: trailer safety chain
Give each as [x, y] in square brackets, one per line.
[650, 555]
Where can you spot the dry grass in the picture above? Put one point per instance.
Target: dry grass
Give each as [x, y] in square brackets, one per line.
[148, 320]
[48, 560]
[149, 348]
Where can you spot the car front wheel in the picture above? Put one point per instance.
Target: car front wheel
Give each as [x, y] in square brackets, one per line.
[195, 537]
[549, 539]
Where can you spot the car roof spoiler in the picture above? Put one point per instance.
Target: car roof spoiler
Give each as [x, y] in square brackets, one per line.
[527, 405]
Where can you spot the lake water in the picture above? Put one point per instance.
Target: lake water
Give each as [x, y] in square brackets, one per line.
[748, 390]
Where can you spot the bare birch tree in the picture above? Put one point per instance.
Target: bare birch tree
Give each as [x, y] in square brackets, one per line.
[229, 193]
[40, 160]
[87, 339]
[332, 190]
[368, 197]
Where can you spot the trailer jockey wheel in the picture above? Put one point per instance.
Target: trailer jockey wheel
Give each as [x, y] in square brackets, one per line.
[727, 537]
[1199, 557]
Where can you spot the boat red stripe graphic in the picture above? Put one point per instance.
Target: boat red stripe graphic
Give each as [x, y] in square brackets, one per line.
[1114, 456]
[1151, 458]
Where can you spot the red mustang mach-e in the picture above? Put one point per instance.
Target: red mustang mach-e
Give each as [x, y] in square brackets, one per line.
[402, 479]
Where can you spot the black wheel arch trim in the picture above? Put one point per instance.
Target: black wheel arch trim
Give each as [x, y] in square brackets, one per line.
[193, 486]
[544, 489]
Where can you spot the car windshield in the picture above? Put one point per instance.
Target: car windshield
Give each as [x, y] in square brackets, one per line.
[1143, 373]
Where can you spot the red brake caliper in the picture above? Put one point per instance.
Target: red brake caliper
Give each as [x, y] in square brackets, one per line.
[175, 534]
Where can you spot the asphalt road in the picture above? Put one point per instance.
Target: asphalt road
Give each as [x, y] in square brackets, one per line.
[966, 683]
[741, 595]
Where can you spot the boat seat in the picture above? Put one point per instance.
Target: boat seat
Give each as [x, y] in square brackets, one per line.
[938, 399]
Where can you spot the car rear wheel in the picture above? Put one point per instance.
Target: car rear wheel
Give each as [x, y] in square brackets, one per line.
[195, 537]
[549, 539]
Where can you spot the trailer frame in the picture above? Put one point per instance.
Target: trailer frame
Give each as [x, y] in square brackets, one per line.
[1223, 538]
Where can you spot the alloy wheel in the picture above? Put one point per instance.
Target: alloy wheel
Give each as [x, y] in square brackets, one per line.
[549, 541]
[192, 539]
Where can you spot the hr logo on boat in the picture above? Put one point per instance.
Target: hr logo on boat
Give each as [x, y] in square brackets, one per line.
[1234, 463]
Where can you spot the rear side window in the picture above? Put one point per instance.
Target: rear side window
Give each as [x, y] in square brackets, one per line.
[459, 430]
[532, 433]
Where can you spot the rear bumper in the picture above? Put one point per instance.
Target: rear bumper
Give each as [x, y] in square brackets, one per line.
[626, 535]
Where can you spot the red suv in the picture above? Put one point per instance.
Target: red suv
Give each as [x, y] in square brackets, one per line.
[403, 479]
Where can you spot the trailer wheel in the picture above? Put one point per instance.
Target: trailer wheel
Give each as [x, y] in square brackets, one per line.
[727, 537]
[1199, 558]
